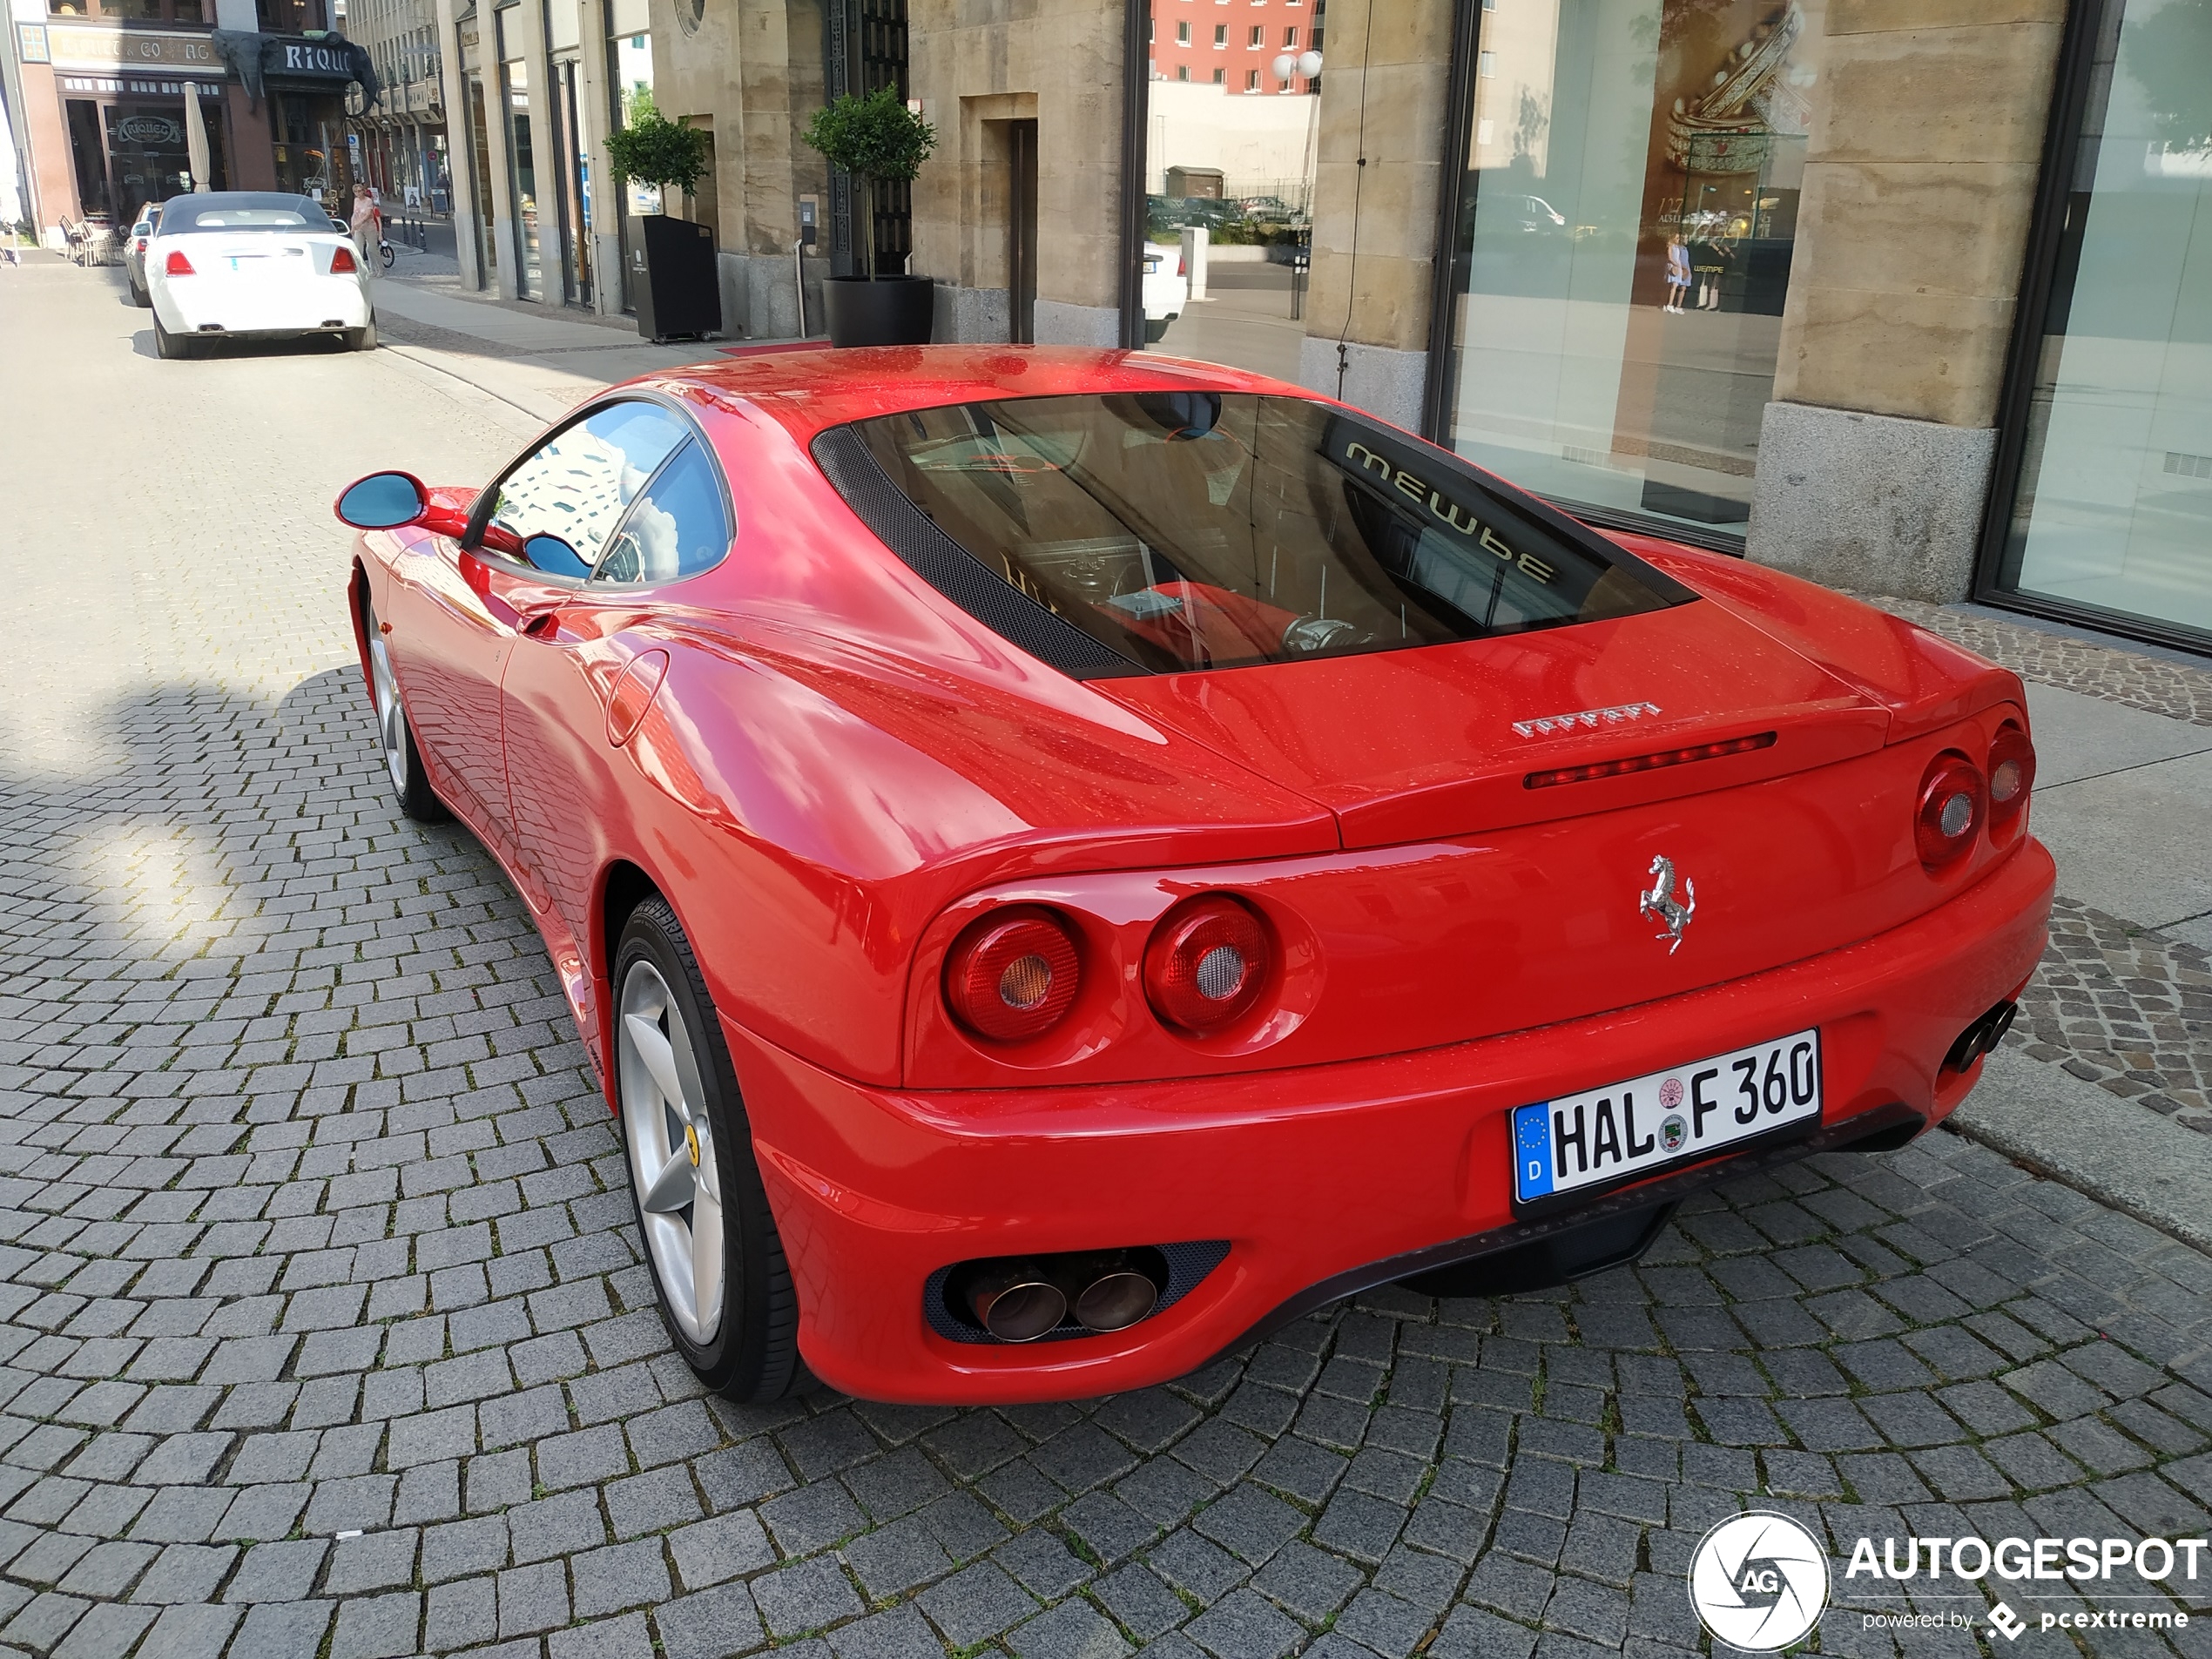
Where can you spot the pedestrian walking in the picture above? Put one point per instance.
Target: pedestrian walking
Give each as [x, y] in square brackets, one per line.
[368, 227]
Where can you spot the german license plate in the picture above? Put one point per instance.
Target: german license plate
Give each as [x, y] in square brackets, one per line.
[1689, 1112]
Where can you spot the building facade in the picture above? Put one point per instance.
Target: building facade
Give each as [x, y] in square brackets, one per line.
[97, 90]
[406, 153]
[1912, 296]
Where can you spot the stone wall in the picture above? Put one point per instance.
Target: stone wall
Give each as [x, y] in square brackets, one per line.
[1919, 184]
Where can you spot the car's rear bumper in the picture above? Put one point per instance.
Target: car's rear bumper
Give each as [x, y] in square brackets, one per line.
[1320, 1179]
[310, 305]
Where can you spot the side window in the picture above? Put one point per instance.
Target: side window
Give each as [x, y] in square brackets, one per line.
[678, 528]
[559, 501]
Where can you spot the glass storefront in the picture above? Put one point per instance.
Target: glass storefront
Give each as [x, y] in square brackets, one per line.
[2111, 502]
[629, 78]
[479, 150]
[1623, 243]
[522, 169]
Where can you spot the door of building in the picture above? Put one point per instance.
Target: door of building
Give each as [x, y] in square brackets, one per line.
[1021, 232]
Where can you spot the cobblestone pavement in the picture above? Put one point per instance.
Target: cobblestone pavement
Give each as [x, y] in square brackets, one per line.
[323, 1329]
[2130, 1011]
[2178, 691]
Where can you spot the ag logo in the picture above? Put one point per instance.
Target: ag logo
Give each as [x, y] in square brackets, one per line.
[1758, 1582]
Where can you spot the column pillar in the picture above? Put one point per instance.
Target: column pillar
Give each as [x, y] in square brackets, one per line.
[1379, 157]
[1874, 457]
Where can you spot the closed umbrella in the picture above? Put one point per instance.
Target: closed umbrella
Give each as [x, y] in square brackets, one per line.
[196, 140]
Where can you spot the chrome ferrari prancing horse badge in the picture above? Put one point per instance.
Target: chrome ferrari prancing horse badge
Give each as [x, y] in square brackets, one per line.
[1661, 905]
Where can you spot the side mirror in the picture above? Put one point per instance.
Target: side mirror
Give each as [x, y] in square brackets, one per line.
[383, 501]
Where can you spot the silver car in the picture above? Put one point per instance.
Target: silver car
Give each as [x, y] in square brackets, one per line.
[134, 251]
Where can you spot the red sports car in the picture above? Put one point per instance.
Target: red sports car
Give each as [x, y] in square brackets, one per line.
[1064, 860]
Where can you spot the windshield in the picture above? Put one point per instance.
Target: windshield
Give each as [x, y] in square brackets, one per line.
[1192, 531]
[243, 212]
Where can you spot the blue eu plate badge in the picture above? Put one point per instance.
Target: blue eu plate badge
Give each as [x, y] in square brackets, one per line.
[1532, 1150]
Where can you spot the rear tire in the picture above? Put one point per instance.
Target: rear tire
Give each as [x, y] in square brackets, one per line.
[140, 298]
[362, 339]
[171, 347]
[719, 1270]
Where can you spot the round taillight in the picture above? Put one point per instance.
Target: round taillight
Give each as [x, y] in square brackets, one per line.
[2012, 774]
[1207, 964]
[1012, 975]
[1954, 802]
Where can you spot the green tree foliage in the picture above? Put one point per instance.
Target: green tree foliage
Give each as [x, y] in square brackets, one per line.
[877, 140]
[654, 150]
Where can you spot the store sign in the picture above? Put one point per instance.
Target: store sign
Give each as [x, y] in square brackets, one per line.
[80, 48]
[307, 57]
[150, 129]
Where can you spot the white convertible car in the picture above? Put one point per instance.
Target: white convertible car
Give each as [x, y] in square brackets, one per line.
[231, 265]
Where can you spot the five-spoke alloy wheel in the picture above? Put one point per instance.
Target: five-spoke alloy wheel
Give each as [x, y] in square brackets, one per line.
[726, 1293]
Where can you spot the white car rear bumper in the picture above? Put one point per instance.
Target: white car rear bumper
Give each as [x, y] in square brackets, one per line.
[297, 305]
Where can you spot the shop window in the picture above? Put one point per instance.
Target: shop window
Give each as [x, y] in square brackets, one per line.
[1626, 220]
[129, 10]
[2105, 467]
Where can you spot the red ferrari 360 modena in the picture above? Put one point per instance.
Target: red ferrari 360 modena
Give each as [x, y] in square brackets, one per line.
[1064, 860]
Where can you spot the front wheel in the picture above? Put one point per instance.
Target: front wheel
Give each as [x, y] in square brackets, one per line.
[724, 1291]
[402, 760]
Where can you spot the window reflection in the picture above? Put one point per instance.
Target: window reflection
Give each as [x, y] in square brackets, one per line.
[2113, 506]
[1624, 247]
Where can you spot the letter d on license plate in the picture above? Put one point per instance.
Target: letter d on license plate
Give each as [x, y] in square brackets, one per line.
[1649, 1123]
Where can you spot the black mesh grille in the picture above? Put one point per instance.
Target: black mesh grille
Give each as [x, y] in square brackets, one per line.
[950, 569]
[1187, 1265]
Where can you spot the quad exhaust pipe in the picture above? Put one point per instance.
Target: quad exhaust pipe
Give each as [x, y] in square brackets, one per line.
[1022, 1299]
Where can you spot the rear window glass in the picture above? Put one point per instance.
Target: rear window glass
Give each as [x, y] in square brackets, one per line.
[242, 213]
[1192, 531]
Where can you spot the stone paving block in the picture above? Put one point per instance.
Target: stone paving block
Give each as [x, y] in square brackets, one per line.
[977, 1603]
[808, 1596]
[1072, 1630]
[1312, 1583]
[719, 1624]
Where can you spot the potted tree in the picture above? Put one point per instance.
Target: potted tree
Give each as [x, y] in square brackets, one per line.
[880, 141]
[681, 293]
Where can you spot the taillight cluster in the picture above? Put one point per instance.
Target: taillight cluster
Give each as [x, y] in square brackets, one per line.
[342, 262]
[1958, 800]
[177, 264]
[1014, 975]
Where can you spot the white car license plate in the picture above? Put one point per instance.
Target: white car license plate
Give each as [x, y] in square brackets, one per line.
[1673, 1116]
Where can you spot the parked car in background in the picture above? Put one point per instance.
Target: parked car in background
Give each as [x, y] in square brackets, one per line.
[1167, 288]
[134, 251]
[231, 265]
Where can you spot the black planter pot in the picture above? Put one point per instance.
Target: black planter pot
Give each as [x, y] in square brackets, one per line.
[890, 311]
[678, 291]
